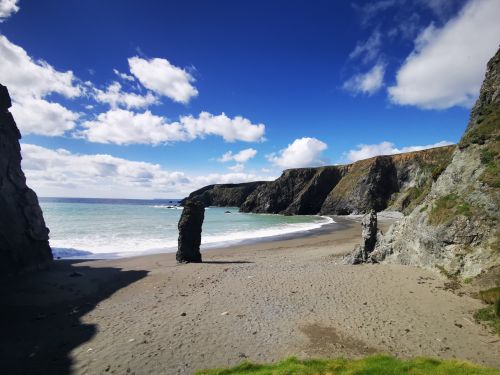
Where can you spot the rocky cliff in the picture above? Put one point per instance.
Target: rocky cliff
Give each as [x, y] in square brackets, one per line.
[224, 195]
[23, 235]
[455, 227]
[376, 183]
[398, 182]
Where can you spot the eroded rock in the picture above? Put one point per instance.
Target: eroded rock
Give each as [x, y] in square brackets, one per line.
[24, 237]
[190, 225]
[362, 253]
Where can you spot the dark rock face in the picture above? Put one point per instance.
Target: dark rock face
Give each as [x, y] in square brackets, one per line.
[378, 183]
[24, 237]
[296, 192]
[397, 182]
[190, 232]
[361, 253]
[224, 195]
[368, 185]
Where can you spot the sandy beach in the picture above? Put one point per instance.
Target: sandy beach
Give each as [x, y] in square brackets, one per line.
[260, 302]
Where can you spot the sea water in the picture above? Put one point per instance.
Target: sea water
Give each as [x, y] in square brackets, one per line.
[126, 227]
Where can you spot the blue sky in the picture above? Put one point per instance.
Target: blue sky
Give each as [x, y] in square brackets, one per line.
[155, 98]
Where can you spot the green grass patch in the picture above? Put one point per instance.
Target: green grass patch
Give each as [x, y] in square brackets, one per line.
[414, 196]
[373, 365]
[490, 316]
[487, 128]
[467, 280]
[447, 208]
[490, 295]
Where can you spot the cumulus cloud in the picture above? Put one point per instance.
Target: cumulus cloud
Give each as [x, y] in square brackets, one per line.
[303, 152]
[368, 50]
[8, 8]
[240, 157]
[62, 173]
[116, 97]
[160, 76]
[36, 78]
[447, 65]
[122, 127]
[366, 83]
[386, 148]
[38, 116]
[29, 81]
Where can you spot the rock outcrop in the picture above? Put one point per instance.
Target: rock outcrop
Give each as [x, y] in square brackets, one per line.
[224, 195]
[190, 225]
[394, 182]
[298, 191]
[24, 237]
[455, 227]
[361, 254]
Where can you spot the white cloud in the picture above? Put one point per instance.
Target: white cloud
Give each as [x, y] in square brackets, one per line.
[8, 8]
[303, 152]
[29, 81]
[124, 76]
[125, 127]
[447, 65]
[240, 157]
[27, 77]
[38, 116]
[386, 148]
[62, 173]
[230, 129]
[368, 50]
[160, 76]
[115, 97]
[238, 167]
[366, 83]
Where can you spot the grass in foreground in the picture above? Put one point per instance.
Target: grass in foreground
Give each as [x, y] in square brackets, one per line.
[374, 365]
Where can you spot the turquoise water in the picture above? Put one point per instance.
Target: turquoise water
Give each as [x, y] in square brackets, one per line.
[132, 227]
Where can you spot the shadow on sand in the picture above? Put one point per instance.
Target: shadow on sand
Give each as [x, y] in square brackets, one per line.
[40, 314]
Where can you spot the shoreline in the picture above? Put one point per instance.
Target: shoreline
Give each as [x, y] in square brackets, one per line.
[260, 302]
[339, 222]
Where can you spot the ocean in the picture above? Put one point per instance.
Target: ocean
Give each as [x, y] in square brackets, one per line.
[108, 228]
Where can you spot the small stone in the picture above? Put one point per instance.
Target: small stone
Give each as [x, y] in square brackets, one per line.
[225, 313]
[183, 314]
[131, 340]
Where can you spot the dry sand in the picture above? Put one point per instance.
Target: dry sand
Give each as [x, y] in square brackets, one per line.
[259, 302]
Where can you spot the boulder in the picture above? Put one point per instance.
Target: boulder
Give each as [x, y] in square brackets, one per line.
[24, 238]
[190, 225]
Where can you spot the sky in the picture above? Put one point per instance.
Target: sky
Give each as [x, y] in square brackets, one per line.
[154, 99]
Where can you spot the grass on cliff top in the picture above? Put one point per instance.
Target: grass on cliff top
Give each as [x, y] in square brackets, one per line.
[446, 208]
[374, 365]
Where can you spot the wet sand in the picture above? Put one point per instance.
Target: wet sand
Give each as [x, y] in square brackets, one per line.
[260, 302]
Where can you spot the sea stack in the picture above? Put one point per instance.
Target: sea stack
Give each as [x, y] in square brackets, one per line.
[362, 252]
[24, 238]
[190, 225]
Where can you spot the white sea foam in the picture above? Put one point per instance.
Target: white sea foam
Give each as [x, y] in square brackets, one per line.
[117, 245]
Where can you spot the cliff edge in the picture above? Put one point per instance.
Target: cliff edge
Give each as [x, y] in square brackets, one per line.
[455, 228]
[24, 238]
